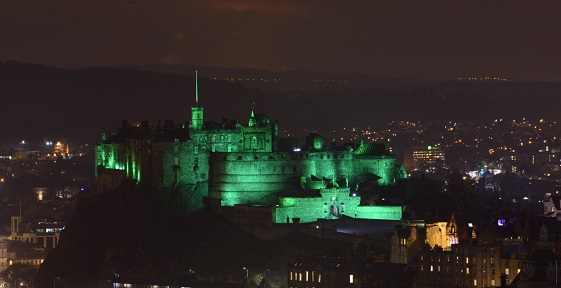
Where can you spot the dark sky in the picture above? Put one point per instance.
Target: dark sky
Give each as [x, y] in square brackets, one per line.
[519, 40]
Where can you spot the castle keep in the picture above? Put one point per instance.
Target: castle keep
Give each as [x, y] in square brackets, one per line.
[233, 163]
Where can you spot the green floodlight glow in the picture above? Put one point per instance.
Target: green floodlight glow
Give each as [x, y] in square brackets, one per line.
[248, 168]
[318, 143]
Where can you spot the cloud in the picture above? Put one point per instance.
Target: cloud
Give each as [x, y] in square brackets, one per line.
[263, 6]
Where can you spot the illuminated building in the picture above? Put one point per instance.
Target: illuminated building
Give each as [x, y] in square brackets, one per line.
[436, 234]
[471, 264]
[429, 159]
[232, 163]
[36, 231]
[552, 205]
[445, 234]
[61, 148]
[320, 271]
[3, 256]
[405, 242]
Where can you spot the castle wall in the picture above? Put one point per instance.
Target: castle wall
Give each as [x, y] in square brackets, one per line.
[247, 178]
[131, 155]
[332, 204]
[379, 212]
[182, 163]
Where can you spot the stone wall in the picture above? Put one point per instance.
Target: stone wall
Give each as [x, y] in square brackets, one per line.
[379, 212]
[332, 204]
[248, 176]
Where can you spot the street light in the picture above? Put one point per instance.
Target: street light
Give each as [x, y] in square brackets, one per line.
[246, 276]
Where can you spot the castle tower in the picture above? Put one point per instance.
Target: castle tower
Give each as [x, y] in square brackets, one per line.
[196, 111]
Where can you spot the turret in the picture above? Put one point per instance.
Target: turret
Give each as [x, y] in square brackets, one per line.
[252, 121]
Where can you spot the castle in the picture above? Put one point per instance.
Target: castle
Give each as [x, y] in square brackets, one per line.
[232, 163]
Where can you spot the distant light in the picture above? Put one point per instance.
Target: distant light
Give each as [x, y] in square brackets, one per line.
[354, 194]
[296, 150]
[526, 198]
[22, 141]
[470, 225]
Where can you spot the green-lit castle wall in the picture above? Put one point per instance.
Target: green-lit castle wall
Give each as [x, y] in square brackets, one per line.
[332, 204]
[256, 178]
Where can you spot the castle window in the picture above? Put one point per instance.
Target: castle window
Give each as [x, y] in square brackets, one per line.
[176, 160]
[196, 150]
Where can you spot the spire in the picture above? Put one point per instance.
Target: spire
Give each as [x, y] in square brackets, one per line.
[196, 88]
[196, 111]
[252, 121]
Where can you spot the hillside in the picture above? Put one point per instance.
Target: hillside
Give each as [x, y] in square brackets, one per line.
[126, 232]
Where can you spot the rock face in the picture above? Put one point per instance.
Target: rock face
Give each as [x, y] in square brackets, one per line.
[129, 231]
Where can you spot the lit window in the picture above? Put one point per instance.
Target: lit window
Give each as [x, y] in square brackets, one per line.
[351, 278]
[307, 276]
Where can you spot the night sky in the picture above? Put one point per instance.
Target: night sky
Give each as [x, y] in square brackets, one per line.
[520, 40]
